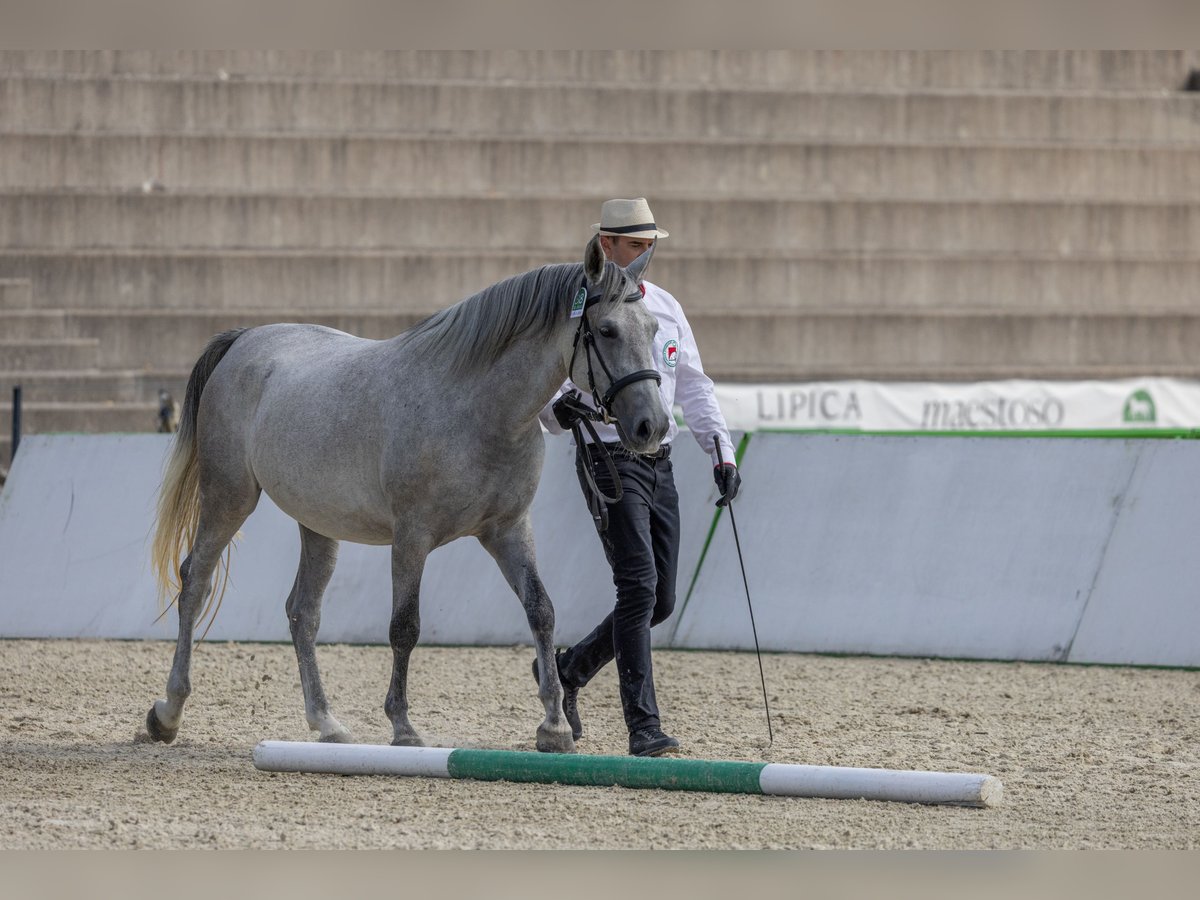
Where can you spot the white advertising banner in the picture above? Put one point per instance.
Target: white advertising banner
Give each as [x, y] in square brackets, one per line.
[1135, 405]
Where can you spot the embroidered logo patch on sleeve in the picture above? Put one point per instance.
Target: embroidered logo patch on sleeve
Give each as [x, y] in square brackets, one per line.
[671, 353]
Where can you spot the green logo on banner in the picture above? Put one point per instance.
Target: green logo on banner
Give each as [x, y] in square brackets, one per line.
[1139, 408]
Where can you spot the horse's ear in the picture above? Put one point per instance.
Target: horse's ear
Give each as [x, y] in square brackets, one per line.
[637, 268]
[593, 260]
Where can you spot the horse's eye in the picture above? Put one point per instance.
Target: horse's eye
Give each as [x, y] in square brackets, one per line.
[607, 331]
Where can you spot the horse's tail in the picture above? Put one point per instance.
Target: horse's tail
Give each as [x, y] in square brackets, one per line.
[179, 496]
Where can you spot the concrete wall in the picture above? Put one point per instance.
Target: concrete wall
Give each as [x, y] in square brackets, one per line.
[528, 165]
[174, 105]
[305, 282]
[963, 547]
[794, 69]
[111, 218]
[889, 215]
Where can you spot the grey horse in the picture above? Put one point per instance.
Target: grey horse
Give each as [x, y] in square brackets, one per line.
[414, 441]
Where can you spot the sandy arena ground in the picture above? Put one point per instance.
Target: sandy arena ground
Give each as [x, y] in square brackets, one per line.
[1089, 757]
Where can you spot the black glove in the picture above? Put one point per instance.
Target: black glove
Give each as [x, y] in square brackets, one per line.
[729, 482]
[564, 410]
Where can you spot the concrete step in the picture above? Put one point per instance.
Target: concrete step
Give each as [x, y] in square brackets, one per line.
[170, 341]
[15, 293]
[892, 69]
[73, 220]
[56, 353]
[1032, 342]
[41, 324]
[173, 105]
[92, 386]
[535, 166]
[44, 418]
[162, 344]
[423, 282]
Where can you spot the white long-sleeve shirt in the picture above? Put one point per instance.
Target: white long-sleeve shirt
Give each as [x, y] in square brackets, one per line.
[683, 381]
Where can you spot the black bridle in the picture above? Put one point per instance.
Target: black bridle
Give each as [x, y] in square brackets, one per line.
[598, 500]
[584, 335]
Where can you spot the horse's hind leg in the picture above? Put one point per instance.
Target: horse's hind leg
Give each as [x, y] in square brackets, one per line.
[222, 513]
[408, 562]
[513, 551]
[318, 555]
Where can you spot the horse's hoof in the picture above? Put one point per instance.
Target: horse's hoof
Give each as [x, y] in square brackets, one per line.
[408, 740]
[337, 737]
[555, 741]
[157, 730]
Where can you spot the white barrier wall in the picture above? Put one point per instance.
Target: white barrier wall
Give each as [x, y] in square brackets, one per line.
[958, 547]
[961, 547]
[1002, 548]
[77, 517]
[1144, 604]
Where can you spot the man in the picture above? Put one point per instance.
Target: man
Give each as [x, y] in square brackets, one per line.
[641, 538]
[168, 412]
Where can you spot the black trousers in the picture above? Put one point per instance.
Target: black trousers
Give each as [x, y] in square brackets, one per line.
[642, 546]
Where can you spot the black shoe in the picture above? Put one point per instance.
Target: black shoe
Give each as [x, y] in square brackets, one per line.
[570, 697]
[651, 741]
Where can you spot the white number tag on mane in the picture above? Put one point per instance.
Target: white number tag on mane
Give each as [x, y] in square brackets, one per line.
[579, 303]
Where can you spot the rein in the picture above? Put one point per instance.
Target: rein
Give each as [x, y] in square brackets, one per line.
[597, 499]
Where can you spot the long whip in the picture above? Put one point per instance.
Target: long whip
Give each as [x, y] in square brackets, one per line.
[741, 562]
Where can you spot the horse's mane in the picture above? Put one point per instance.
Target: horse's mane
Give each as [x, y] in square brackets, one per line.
[470, 335]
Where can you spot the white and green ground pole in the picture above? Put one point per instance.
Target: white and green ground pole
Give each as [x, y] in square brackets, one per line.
[664, 773]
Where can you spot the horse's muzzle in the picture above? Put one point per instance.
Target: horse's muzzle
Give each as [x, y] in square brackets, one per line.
[646, 434]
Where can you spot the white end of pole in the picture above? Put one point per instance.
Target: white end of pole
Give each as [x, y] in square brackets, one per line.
[351, 759]
[844, 783]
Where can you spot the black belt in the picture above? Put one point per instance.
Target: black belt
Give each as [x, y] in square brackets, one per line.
[619, 449]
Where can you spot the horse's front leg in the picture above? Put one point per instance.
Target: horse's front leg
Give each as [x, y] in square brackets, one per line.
[407, 565]
[513, 551]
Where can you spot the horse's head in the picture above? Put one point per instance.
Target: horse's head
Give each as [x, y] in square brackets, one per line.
[620, 349]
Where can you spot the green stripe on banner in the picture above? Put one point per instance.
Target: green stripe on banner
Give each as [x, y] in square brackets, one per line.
[605, 771]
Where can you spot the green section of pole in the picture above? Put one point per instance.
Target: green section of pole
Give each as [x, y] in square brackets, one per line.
[664, 773]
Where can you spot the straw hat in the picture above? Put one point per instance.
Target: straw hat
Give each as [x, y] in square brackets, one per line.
[628, 218]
